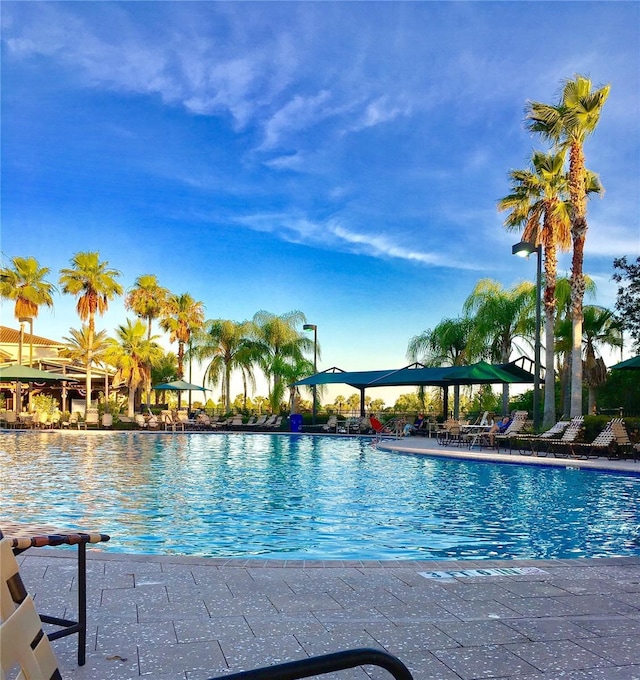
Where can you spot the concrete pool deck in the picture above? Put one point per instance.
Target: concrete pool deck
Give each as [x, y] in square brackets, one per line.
[428, 446]
[190, 618]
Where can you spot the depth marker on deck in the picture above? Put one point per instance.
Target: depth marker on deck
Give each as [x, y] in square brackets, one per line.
[473, 573]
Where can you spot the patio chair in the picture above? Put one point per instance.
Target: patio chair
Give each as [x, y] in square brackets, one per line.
[603, 444]
[558, 446]
[331, 424]
[23, 643]
[624, 446]
[531, 440]
[92, 418]
[24, 646]
[259, 422]
[515, 428]
[11, 420]
[140, 421]
[74, 421]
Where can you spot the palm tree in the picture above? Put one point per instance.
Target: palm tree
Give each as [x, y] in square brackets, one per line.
[146, 299]
[78, 349]
[24, 282]
[132, 354]
[537, 205]
[278, 339]
[448, 344]
[499, 317]
[563, 334]
[228, 346]
[569, 123]
[165, 370]
[94, 284]
[600, 329]
[182, 315]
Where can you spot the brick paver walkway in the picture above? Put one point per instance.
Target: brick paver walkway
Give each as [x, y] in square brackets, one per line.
[190, 618]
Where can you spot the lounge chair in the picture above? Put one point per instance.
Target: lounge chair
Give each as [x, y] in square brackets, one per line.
[515, 428]
[236, 421]
[152, 422]
[10, 419]
[140, 421]
[92, 419]
[554, 432]
[275, 423]
[171, 422]
[624, 446]
[74, 421]
[331, 425]
[603, 444]
[24, 646]
[259, 422]
[558, 446]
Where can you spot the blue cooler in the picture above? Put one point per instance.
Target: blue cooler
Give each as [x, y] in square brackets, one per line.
[296, 422]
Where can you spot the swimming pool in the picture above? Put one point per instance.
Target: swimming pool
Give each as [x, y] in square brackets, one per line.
[302, 497]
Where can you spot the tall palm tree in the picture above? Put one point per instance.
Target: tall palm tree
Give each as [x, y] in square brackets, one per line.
[569, 123]
[95, 285]
[132, 354]
[563, 335]
[24, 282]
[228, 346]
[181, 316]
[146, 299]
[538, 206]
[600, 329]
[448, 344]
[499, 317]
[278, 338]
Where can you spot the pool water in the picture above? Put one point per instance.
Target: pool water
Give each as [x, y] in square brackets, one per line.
[302, 497]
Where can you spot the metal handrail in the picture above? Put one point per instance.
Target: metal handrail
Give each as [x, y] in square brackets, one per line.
[326, 663]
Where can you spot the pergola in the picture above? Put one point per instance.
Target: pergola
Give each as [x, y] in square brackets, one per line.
[417, 374]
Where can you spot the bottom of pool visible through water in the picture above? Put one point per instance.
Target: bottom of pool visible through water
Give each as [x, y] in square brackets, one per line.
[303, 497]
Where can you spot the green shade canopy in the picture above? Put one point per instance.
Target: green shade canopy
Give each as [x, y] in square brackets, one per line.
[632, 364]
[416, 374]
[178, 386]
[480, 373]
[26, 374]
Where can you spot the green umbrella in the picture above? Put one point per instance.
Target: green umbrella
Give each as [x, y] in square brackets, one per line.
[26, 374]
[178, 386]
[632, 364]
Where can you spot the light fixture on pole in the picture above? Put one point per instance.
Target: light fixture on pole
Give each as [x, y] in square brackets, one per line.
[524, 249]
[314, 328]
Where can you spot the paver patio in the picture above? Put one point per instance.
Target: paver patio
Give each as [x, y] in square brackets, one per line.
[192, 618]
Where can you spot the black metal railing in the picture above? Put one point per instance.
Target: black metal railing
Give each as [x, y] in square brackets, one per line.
[327, 663]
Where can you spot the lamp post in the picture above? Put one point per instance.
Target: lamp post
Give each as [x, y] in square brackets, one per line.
[524, 249]
[314, 328]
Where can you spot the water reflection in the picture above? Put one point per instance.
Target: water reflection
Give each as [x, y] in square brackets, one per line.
[310, 497]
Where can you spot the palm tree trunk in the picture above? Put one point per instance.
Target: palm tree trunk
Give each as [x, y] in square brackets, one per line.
[549, 417]
[227, 388]
[578, 234]
[87, 402]
[132, 402]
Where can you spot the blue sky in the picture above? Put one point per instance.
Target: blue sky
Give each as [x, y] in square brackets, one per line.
[343, 159]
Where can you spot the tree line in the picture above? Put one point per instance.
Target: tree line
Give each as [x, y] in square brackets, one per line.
[547, 203]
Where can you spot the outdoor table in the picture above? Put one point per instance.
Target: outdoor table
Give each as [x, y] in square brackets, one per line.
[25, 536]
